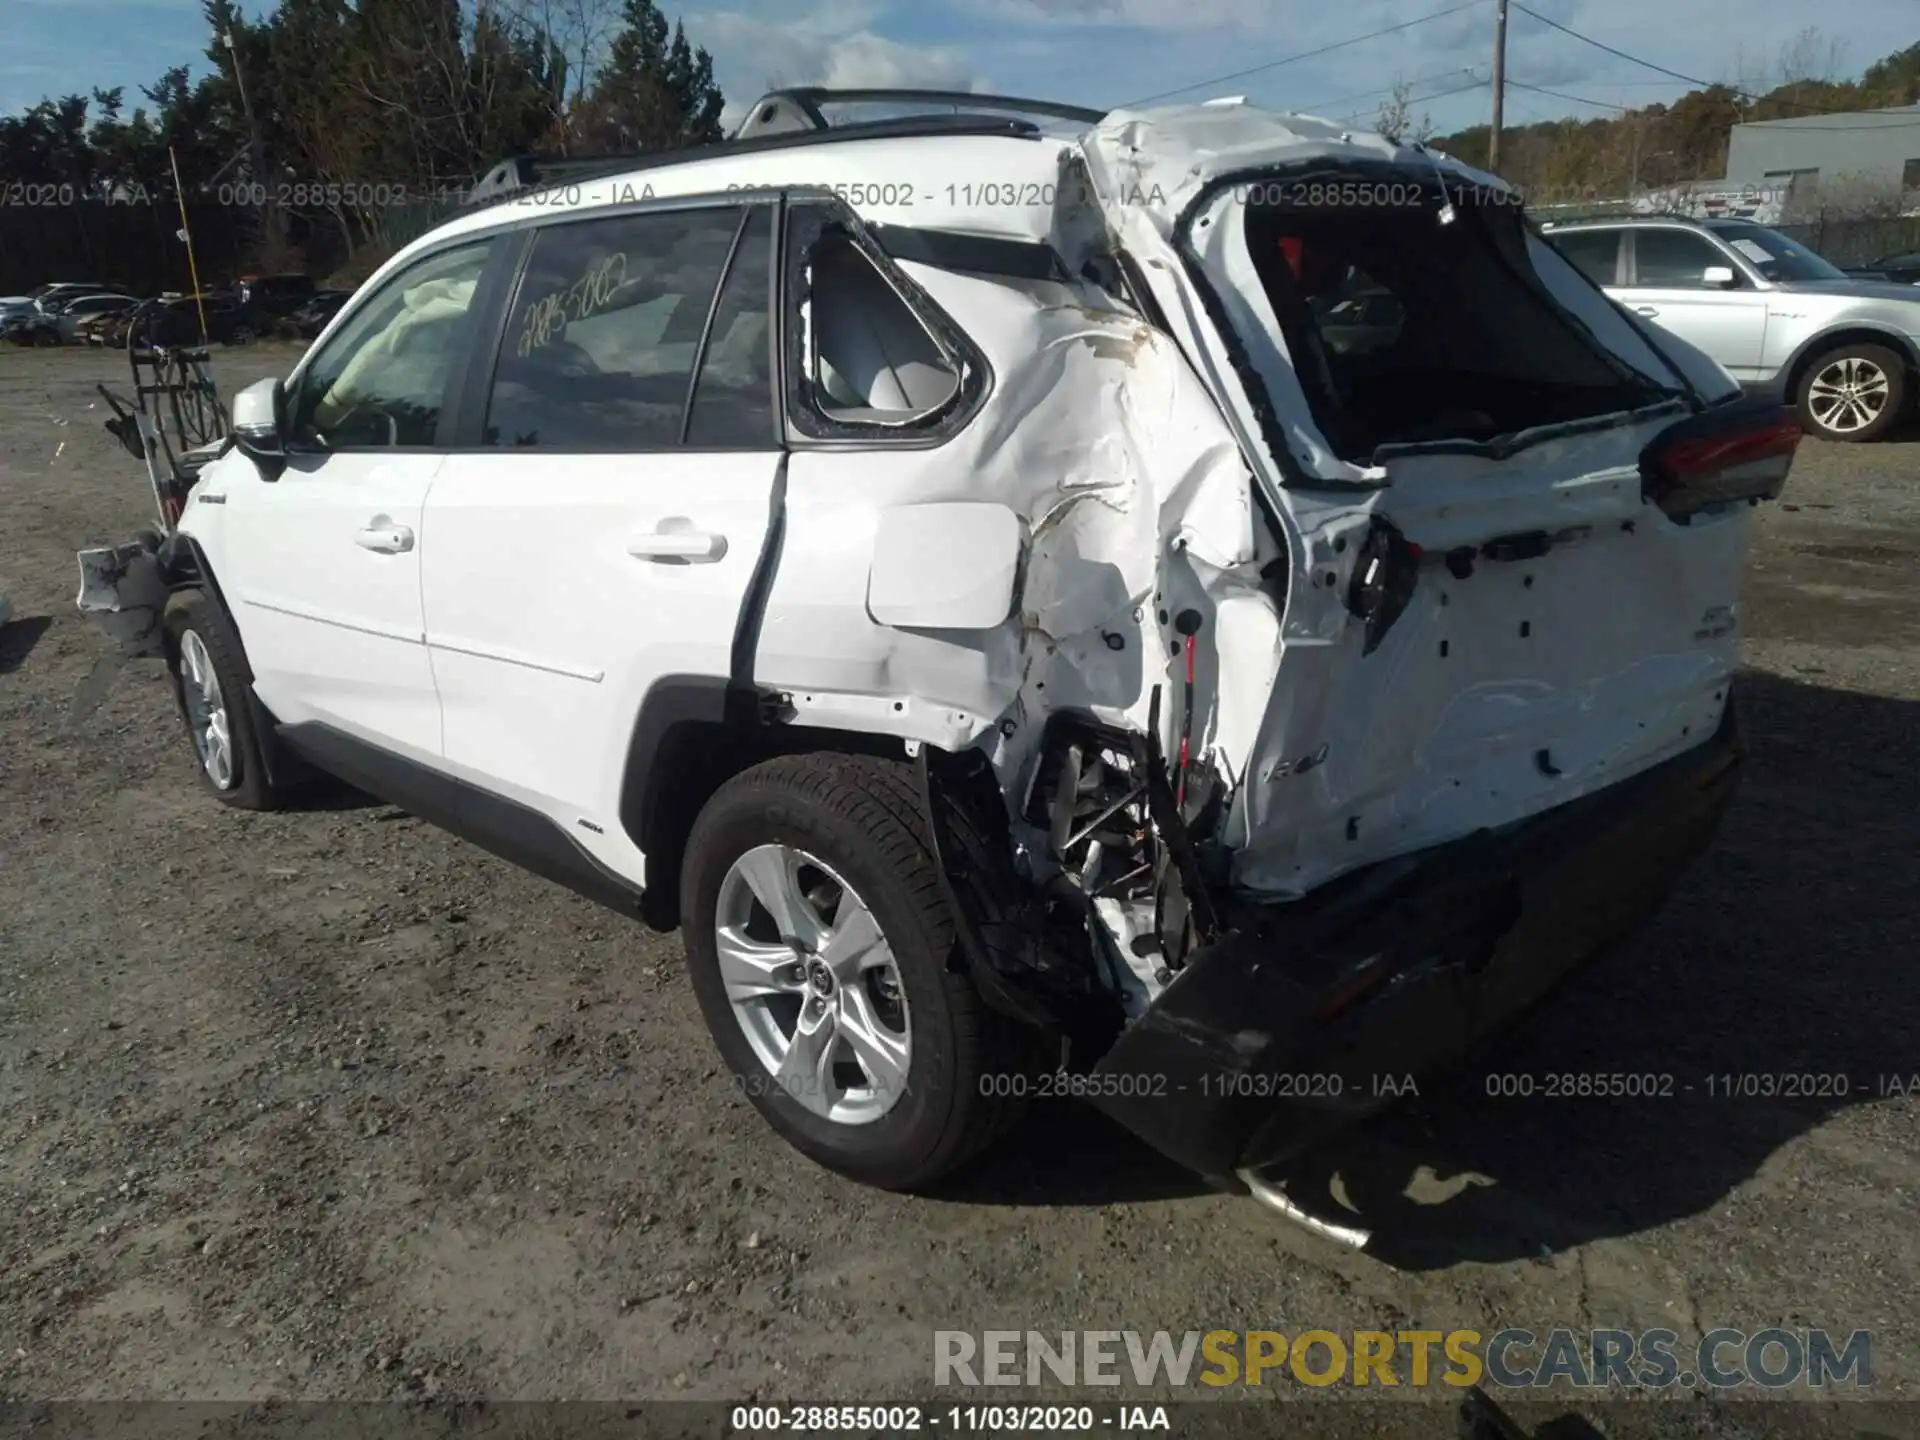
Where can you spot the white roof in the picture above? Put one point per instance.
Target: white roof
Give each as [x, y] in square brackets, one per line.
[999, 185]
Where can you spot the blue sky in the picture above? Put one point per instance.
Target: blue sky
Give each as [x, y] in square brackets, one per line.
[1107, 51]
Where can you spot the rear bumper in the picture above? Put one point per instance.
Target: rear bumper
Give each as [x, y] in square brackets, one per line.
[1305, 1017]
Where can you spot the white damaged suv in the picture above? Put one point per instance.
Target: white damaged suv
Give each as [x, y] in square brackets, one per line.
[1196, 602]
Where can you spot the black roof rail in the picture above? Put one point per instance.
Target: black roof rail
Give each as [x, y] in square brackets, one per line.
[1550, 216]
[607, 165]
[805, 102]
[1058, 110]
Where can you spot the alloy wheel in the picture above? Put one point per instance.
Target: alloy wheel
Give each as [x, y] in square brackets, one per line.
[813, 984]
[206, 711]
[1848, 395]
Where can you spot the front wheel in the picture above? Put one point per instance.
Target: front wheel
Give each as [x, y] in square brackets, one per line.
[211, 682]
[822, 951]
[1854, 394]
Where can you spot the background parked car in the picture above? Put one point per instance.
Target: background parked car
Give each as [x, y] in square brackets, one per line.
[230, 320]
[45, 298]
[1902, 269]
[85, 310]
[277, 295]
[311, 318]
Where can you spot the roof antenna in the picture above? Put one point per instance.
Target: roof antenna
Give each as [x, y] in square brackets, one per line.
[1447, 212]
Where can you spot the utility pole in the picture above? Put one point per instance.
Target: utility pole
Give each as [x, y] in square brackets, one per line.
[1499, 83]
[256, 150]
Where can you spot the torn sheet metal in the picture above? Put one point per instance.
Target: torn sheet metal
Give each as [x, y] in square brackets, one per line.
[124, 593]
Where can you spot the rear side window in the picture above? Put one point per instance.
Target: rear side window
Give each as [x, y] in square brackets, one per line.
[1674, 259]
[1594, 253]
[733, 397]
[870, 359]
[870, 355]
[607, 329]
[1403, 330]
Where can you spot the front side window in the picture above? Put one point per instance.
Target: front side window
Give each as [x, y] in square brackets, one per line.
[1673, 259]
[380, 382]
[607, 327]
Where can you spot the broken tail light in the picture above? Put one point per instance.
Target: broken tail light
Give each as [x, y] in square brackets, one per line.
[1738, 451]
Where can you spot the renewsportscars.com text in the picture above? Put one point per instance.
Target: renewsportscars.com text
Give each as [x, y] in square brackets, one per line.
[1513, 1358]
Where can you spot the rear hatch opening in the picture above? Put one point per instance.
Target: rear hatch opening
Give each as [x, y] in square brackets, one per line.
[1394, 312]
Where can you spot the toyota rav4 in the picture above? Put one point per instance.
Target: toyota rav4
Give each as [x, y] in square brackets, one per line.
[1194, 601]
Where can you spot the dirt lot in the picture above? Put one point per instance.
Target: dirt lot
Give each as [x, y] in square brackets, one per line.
[328, 1104]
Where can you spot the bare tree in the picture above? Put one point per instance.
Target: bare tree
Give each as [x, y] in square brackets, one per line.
[1812, 58]
[1853, 196]
[1396, 120]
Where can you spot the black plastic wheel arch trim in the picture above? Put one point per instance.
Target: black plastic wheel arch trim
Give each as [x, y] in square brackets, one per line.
[496, 824]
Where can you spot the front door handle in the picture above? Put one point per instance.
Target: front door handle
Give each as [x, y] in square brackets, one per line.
[383, 537]
[1646, 310]
[689, 547]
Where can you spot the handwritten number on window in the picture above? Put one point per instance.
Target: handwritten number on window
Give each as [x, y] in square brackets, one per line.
[546, 319]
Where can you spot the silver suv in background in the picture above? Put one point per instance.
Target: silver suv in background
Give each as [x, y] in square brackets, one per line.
[1842, 350]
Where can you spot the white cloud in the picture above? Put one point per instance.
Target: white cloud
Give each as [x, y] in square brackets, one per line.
[829, 45]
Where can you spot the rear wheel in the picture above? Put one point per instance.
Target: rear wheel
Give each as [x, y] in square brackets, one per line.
[211, 682]
[1855, 393]
[822, 951]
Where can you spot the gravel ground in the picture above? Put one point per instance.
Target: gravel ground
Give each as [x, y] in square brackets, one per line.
[330, 1105]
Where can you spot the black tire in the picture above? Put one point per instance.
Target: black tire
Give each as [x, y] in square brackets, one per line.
[1821, 372]
[861, 816]
[196, 614]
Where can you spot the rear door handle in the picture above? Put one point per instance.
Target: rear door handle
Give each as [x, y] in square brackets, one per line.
[692, 547]
[384, 537]
[1646, 310]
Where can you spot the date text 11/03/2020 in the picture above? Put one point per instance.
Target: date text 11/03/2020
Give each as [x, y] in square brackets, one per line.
[1499, 1085]
[1067, 1084]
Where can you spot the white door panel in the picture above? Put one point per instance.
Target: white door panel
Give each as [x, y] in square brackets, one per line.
[323, 569]
[546, 630]
[1729, 325]
[332, 624]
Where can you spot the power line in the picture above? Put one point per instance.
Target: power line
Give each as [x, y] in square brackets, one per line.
[1562, 95]
[1691, 79]
[1476, 84]
[1304, 54]
[1319, 105]
[1601, 45]
[1914, 123]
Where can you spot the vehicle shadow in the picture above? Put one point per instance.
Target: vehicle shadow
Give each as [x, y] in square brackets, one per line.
[1766, 990]
[1772, 960]
[17, 639]
[1067, 1153]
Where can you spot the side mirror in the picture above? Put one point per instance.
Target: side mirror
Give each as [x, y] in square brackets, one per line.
[256, 429]
[1719, 277]
[946, 566]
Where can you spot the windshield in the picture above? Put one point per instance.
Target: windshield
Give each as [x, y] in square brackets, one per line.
[1775, 256]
